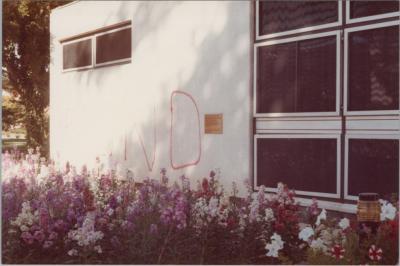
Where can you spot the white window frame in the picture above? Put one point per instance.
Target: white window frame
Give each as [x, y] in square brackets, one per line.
[300, 30]
[361, 135]
[368, 18]
[302, 136]
[346, 69]
[294, 39]
[77, 68]
[114, 61]
[94, 50]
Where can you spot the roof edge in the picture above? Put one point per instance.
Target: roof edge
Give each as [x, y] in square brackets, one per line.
[63, 6]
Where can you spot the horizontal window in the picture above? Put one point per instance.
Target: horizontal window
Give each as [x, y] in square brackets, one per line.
[373, 166]
[113, 46]
[373, 69]
[109, 45]
[306, 164]
[360, 9]
[77, 54]
[283, 16]
[298, 76]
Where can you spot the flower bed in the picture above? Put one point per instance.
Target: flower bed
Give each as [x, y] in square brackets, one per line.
[52, 216]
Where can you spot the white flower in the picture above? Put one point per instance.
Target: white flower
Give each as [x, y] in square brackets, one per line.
[98, 249]
[275, 245]
[388, 211]
[277, 238]
[119, 199]
[319, 244]
[213, 207]
[269, 215]
[24, 228]
[344, 223]
[306, 233]
[110, 212]
[73, 252]
[321, 216]
[272, 250]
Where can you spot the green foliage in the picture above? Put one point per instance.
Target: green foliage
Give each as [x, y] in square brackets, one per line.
[26, 57]
[12, 112]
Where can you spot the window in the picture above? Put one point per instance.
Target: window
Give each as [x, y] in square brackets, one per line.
[114, 46]
[326, 90]
[277, 18]
[78, 54]
[358, 11]
[106, 46]
[306, 163]
[372, 165]
[297, 76]
[372, 78]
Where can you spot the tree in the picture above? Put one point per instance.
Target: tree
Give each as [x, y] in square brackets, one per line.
[26, 57]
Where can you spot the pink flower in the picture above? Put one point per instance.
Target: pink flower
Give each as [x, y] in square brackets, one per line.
[27, 237]
[39, 236]
[47, 244]
[375, 253]
[337, 252]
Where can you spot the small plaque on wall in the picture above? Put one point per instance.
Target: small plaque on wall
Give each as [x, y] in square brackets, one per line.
[213, 123]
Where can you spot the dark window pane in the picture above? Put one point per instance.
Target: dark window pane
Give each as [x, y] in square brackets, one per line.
[370, 8]
[113, 46]
[373, 166]
[297, 77]
[374, 69]
[279, 16]
[302, 164]
[77, 54]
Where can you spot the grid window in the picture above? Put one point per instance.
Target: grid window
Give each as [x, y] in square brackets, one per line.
[297, 76]
[306, 89]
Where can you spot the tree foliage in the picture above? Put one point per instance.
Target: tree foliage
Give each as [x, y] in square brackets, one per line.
[26, 57]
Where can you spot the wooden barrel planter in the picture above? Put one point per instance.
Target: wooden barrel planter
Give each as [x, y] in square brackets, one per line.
[368, 214]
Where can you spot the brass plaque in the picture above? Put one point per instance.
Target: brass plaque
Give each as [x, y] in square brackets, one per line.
[213, 124]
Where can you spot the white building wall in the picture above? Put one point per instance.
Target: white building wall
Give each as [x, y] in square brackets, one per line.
[200, 48]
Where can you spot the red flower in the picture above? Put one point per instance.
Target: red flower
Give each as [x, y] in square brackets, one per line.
[375, 253]
[337, 252]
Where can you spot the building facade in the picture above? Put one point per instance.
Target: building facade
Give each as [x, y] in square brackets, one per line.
[295, 92]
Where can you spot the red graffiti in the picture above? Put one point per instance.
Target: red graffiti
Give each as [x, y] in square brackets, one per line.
[171, 135]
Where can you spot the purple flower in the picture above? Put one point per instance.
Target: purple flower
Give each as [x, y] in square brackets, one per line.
[53, 235]
[34, 227]
[127, 226]
[115, 242]
[47, 244]
[153, 229]
[27, 237]
[79, 183]
[212, 174]
[60, 225]
[113, 202]
[39, 236]
[70, 215]
[43, 217]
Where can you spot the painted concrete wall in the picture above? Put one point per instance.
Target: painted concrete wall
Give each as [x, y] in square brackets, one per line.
[200, 48]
